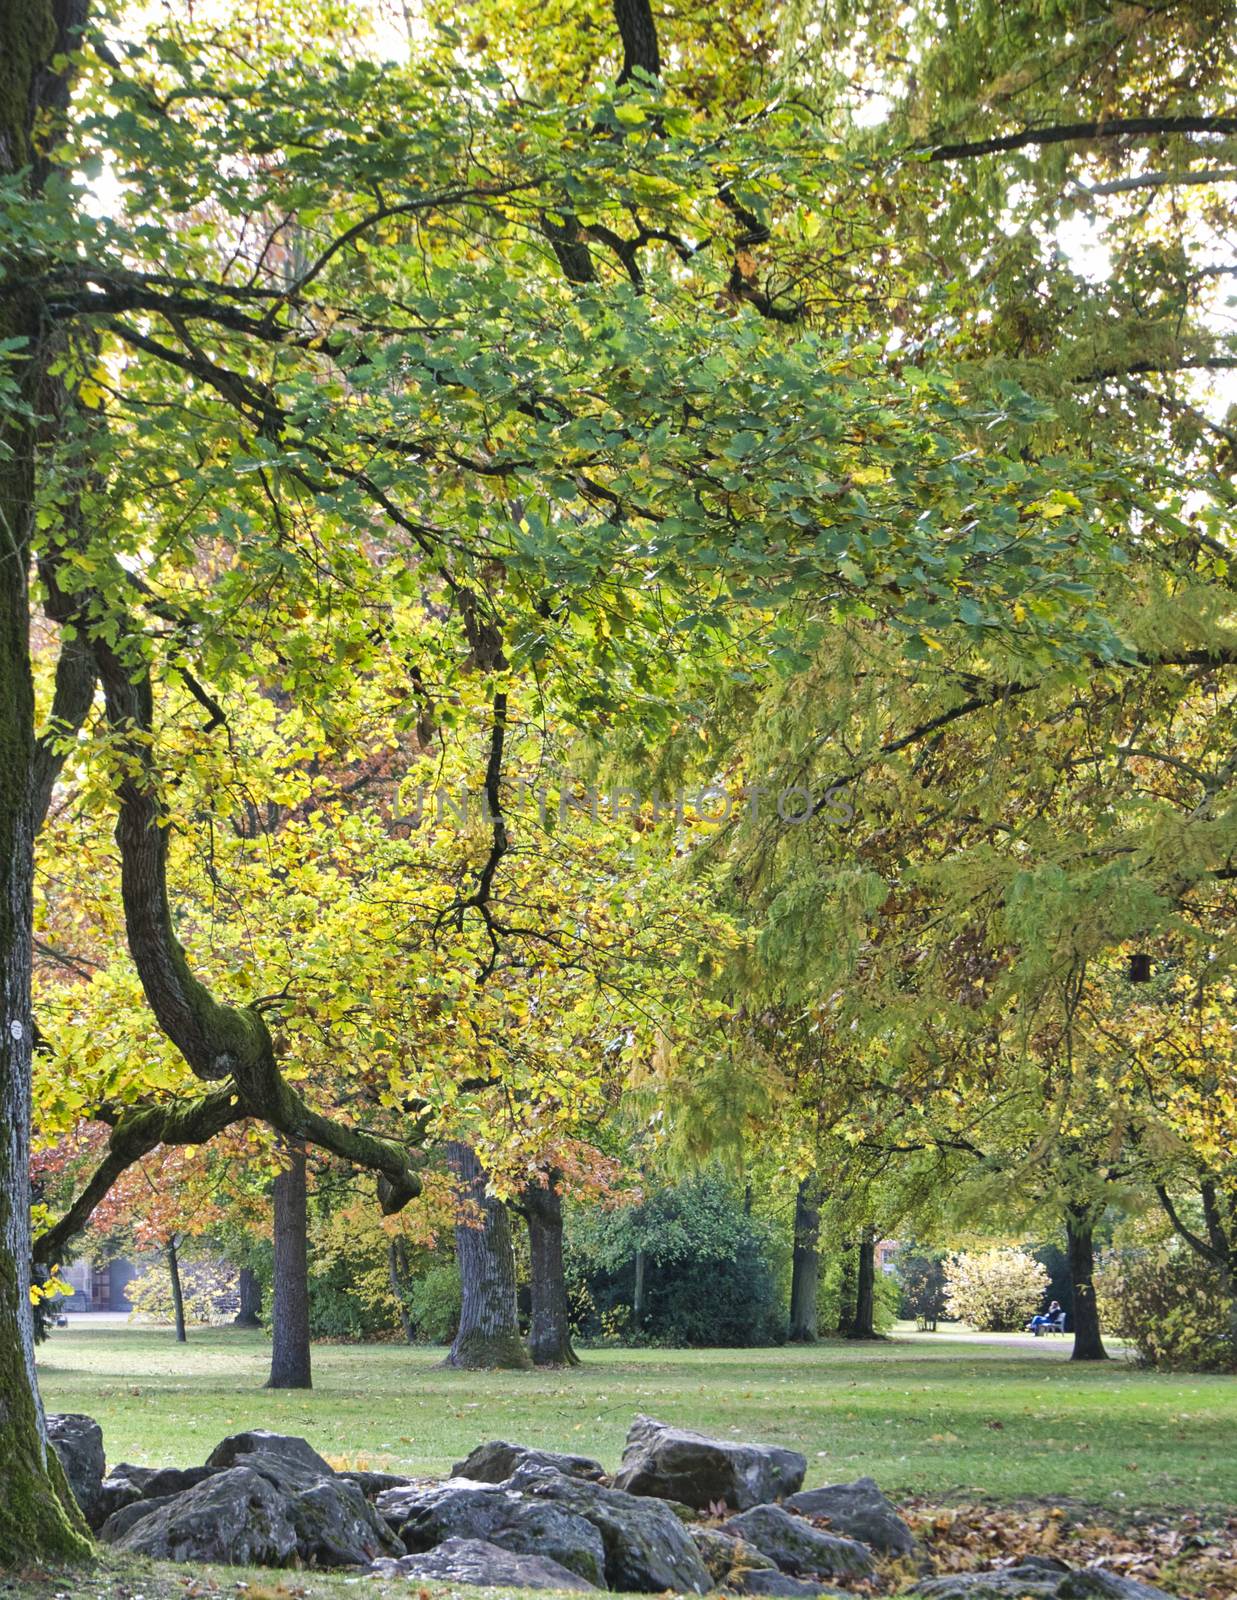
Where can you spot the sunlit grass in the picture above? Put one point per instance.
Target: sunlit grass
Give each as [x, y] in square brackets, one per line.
[921, 1414]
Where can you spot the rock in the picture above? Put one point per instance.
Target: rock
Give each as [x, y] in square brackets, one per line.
[335, 1524]
[114, 1495]
[235, 1517]
[135, 1475]
[496, 1461]
[127, 1485]
[1095, 1583]
[175, 1480]
[122, 1519]
[799, 1548]
[1037, 1578]
[724, 1556]
[859, 1511]
[337, 1527]
[78, 1441]
[258, 1441]
[478, 1561]
[768, 1580]
[647, 1548]
[675, 1464]
[372, 1484]
[460, 1510]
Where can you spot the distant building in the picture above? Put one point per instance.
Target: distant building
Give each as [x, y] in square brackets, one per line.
[885, 1252]
[99, 1287]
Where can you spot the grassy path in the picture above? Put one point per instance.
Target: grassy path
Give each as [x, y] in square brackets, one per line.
[949, 1417]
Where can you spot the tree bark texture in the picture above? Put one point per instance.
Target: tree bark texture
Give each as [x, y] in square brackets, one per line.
[549, 1332]
[805, 1264]
[290, 1359]
[38, 1518]
[489, 1330]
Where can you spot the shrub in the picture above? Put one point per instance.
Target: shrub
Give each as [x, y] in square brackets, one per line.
[996, 1291]
[434, 1303]
[710, 1269]
[1171, 1305]
[208, 1289]
[921, 1276]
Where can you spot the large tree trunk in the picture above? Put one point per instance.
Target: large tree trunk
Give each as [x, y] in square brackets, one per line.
[38, 1519]
[178, 1296]
[489, 1331]
[863, 1321]
[1088, 1345]
[549, 1332]
[290, 1363]
[805, 1266]
[249, 1293]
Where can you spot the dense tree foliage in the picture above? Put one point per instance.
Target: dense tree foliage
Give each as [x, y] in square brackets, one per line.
[809, 420]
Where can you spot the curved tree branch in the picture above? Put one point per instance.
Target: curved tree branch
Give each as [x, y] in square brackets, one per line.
[1078, 132]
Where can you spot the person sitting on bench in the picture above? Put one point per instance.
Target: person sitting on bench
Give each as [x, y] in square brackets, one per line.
[1053, 1318]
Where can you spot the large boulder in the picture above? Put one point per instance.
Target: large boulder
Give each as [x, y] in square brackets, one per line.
[123, 1518]
[480, 1562]
[1037, 1578]
[727, 1557]
[175, 1480]
[496, 1461]
[78, 1441]
[127, 1485]
[676, 1464]
[425, 1518]
[259, 1441]
[859, 1511]
[799, 1548]
[235, 1517]
[647, 1548]
[335, 1524]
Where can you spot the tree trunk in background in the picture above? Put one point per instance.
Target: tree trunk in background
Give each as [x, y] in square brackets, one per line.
[249, 1293]
[1088, 1345]
[637, 1294]
[178, 1297]
[38, 1518]
[863, 1321]
[846, 1288]
[290, 1362]
[549, 1331]
[489, 1331]
[805, 1268]
[397, 1272]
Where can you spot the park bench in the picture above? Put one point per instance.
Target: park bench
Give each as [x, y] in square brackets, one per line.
[1053, 1325]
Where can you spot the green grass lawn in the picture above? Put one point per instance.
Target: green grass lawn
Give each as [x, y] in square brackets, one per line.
[922, 1414]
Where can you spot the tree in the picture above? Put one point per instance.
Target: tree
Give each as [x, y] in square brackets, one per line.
[862, 1322]
[805, 1263]
[489, 1331]
[249, 1297]
[594, 399]
[549, 1328]
[290, 1354]
[37, 1514]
